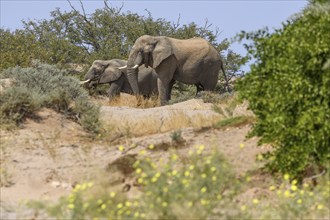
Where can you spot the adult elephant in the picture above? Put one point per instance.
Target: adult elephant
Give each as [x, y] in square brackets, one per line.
[192, 61]
[112, 72]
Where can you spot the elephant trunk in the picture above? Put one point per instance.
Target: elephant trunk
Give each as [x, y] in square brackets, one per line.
[134, 60]
[133, 79]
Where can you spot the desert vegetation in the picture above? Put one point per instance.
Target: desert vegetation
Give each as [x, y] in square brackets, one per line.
[261, 151]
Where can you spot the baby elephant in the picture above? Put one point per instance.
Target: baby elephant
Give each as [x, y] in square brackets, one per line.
[108, 71]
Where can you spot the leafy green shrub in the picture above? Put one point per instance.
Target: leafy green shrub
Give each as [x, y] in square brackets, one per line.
[288, 90]
[46, 86]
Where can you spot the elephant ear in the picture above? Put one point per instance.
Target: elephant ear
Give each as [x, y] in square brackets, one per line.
[111, 74]
[163, 49]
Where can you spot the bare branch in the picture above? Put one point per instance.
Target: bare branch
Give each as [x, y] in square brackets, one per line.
[82, 7]
[177, 24]
[73, 8]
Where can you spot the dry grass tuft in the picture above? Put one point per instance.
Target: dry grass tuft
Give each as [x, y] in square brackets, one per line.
[130, 101]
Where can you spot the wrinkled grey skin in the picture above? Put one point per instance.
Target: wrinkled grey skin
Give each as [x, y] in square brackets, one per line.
[106, 71]
[192, 61]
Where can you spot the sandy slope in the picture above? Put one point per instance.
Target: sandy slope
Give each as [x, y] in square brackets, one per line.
[44, 159]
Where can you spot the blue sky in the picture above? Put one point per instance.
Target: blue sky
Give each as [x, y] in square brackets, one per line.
[230, 17]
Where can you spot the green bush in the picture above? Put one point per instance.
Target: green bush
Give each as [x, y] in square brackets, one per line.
[288, 90]
[16, 104]
[46, 86]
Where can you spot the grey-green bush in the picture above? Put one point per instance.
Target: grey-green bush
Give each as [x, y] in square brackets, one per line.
[46, 86]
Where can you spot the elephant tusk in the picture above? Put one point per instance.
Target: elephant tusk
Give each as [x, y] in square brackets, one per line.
[122, 67]
[83, 82]
[136, 66]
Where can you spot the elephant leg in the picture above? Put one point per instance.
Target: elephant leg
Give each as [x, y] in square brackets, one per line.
[165, 73]
[199, 87]
[170, 89]
[114, 90]
[163, 90]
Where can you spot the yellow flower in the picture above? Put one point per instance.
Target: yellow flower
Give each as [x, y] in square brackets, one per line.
[286, 176]
[103, 206]
[190, 204]
[138, 170]
[143, 215]
[204, 175]
[136, 214]
[302, 192]
[201, 147]
[174, 172]
[306, 185]
[294, 187]
[90, 184]
[121, 148]
[112, 194]
[186, 173]
[311, 193]
[255, 201]
[287, 193]
[294, 182]
[120, 205]
[77, 187]
[319, 206]
[272, 188]
[243, 208]
[136, 163]
[154, 179]
[174, 157]
[157, 174]
[127, 203]
[299, 201]
[136, 203]
[219, 197]
[279, 192]
[203, 202]
[203, 190]
[120, 211]
[165, 189]
[142, 152]
[71, 206]
[214, 178]
[248, 179]
[99, 201]
[241, 145]
[260, 157]
[85, 206]
[213, 169]
[151, 146]
[140, 180]
[191, 167]
[164, 204]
